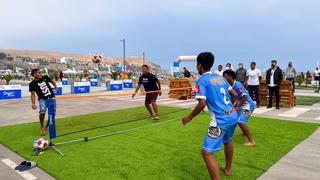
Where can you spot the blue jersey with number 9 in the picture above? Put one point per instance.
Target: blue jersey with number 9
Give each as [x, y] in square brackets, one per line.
[215, 90]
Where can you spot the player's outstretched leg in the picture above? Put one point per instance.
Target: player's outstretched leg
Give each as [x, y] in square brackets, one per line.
[156, 111]
[245, 129]
[149, 109]
[212, 164]
[228, 151]
[42, 129]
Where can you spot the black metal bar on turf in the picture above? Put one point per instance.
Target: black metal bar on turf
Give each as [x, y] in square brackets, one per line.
[55, 149]
[115, 133]
[114, 124]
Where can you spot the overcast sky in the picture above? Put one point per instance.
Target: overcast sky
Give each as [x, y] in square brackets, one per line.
[234, 30]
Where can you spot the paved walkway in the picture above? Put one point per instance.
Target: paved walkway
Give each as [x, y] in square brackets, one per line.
[9, 160]
[302, 162]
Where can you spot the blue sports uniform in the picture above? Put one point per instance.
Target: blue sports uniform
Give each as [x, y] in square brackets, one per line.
[215, 90]
[248, 107]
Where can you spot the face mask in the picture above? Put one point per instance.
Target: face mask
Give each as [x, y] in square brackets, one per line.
[290, 65]
[240, 66]
[227, 68]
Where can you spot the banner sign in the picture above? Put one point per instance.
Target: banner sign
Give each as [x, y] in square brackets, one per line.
[81, 87]
[52, 117]
[127, 83]
[65, 81]
[59, 85]
[94, 82]
[10, 92]
[116, 85]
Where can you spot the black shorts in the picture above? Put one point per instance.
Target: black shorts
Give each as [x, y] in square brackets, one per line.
[151, 97]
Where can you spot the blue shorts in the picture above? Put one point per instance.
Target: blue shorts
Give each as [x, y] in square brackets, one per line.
[43, 104]
[244, 114]
[217, 136]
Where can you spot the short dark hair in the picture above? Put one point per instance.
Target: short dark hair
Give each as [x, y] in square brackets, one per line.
[274, 61]
[230, 73]
[254, 63]
[33, 71]
[146, 66]
[206, 59]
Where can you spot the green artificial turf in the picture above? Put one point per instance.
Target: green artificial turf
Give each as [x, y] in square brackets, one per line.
[307, 100]
[165, 151]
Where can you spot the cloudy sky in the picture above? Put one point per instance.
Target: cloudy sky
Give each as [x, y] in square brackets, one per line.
[234, 30]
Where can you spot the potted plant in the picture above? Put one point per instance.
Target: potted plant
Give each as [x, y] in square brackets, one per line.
[8, 78]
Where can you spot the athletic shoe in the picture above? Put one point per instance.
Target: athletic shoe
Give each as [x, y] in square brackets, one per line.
[157, 118]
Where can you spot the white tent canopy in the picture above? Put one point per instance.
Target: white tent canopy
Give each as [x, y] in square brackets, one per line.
[69, 71]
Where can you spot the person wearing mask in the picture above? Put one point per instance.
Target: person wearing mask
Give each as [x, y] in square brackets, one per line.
[241, 74]
[291, 74]
[186, 73]
[274, 78]
[229, 67]
[253, 81]
[219, 71]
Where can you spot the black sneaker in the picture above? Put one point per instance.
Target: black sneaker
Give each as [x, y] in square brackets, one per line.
[277, 107]
[268, 107]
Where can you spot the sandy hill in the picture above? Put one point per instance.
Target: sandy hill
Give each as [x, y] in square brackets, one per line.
[50, 54]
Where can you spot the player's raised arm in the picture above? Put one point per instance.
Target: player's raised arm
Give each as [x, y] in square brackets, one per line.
[54, 85]
[200, 106]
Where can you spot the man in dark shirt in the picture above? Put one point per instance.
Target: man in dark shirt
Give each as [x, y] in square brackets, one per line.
[40, 86]
[152, 87]
[241, 74]
[274, 78]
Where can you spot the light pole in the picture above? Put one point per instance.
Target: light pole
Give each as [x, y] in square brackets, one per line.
[143, 57]
[124, 52]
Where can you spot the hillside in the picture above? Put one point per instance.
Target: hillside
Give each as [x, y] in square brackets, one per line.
[87, 58]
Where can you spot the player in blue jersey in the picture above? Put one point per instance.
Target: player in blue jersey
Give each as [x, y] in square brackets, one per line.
[244, 106]
[214, 91]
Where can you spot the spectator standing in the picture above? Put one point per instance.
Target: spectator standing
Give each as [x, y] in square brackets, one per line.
[317, 78]
[291, 74]
[229, 66]
[274, 78]
[186, 73]
[241, 74]
[253, 81]
[219, 71]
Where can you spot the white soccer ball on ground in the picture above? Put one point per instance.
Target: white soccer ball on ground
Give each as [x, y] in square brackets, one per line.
[42, 144]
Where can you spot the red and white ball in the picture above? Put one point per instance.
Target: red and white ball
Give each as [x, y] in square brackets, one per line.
[41, 144]
[97, 58]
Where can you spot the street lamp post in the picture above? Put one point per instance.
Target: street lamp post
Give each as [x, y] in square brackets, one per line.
[143, 57]
[124, 52]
